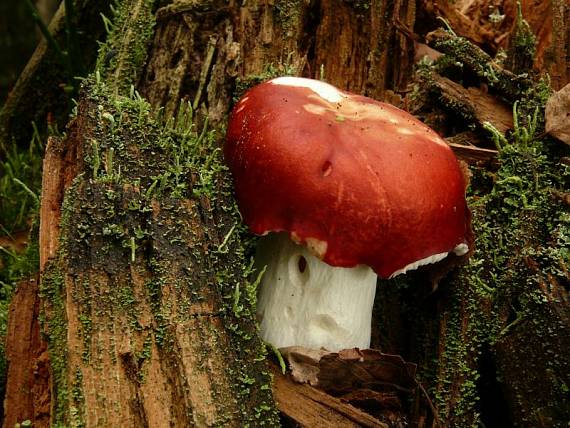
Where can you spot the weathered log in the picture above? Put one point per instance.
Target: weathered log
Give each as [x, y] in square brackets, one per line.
[137, 318]
[309, 407]
[473, 104]
[27, 389]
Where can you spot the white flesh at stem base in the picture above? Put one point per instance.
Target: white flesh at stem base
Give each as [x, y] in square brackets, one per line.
[303, 301]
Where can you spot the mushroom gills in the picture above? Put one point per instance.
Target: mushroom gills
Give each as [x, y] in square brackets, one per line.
[459, 250]
[303, 301]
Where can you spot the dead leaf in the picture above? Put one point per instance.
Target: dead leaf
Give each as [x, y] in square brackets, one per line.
[558, 115]
[350, 369]
[304, 363]
[365, 378]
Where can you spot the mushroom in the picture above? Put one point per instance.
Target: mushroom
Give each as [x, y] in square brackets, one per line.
[355, 187]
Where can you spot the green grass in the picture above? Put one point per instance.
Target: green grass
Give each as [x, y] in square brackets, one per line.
[20, 182]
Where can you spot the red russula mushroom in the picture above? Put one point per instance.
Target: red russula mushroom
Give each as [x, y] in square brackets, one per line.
[357, 181]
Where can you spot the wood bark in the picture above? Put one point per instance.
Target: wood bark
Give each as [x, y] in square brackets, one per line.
[310, 407]
[28, 393]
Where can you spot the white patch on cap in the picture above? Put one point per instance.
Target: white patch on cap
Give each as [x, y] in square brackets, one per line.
[315, 109]
[322, 89]
[422, 262]
[461, 250]
[406, 131]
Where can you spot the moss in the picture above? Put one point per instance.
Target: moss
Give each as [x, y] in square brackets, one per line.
[54, 322]
[122, 57]
[500, 296]
[287, 14]
[471, 60]
[522, 47]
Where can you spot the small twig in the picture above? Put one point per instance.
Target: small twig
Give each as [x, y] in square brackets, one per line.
[52, 43]
[430, 404]
[205, 70]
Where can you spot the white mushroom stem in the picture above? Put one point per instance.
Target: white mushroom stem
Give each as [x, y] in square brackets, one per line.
[304, 301]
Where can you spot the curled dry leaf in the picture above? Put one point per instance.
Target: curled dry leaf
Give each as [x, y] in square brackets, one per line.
[558, 115]
[304, 363]
[350, 369]
[366, 378]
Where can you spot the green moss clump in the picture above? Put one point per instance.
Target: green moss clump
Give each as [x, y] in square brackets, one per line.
[123, 55]
[504, 299]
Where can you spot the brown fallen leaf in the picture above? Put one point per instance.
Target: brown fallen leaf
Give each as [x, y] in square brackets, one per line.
[350, 369]
[368, 379]
[558, 115]
[381, 405]
[304, 363]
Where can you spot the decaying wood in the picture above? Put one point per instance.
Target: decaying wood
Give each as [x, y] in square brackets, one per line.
[310, 407]
[558, 43]
[383, 385]
[478, 62]
[190, 379]
[474, 102]
[249, 40]
[27, 387]
[60, 167]
[473, 155]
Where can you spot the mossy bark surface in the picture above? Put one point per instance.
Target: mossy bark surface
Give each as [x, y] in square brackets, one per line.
[148, 308]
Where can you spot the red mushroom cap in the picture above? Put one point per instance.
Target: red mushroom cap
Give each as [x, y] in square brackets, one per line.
[356, 180]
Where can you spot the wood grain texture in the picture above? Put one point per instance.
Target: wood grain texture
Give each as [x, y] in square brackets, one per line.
[310, 407]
